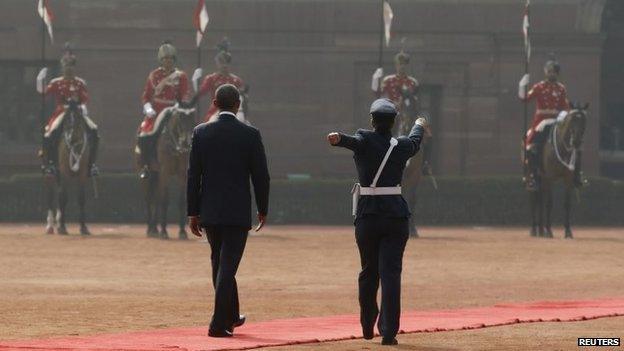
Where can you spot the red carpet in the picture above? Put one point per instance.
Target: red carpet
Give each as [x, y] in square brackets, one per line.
[309, 330]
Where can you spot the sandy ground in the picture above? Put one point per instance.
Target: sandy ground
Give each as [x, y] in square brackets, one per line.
[117, 280]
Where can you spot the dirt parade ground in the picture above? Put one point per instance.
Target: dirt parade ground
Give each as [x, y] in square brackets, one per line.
[117, 280]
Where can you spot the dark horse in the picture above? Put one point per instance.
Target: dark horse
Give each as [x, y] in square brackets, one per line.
[173, 147]
[559, 155]
[415, 166]
[73, 168]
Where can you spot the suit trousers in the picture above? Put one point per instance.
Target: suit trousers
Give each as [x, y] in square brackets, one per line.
[381, 242]
[227, 244]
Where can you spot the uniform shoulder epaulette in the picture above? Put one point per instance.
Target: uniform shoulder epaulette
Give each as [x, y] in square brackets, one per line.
[392, 76]
[413, 80]
[84, 82]
[57, 79]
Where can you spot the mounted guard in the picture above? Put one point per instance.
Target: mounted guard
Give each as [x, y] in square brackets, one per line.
[399, 87]
[223, 75]
[67, 89]
[166, 86]
[552, 104]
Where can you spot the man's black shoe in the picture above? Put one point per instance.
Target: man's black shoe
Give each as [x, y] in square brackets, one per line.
[240, 321]
[368, 333]
[389, 341]
[220, 333]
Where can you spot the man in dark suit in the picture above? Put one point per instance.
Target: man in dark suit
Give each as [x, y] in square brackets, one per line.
[381, 224]
[225, 154]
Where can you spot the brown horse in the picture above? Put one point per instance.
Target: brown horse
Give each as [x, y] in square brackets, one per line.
[173, 147]
[559, 155]
[73, 169]
[414, 169]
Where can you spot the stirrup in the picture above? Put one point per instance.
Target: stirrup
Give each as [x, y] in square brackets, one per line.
[49, 169]
[530, 183]
[145, 172]
[94, 171]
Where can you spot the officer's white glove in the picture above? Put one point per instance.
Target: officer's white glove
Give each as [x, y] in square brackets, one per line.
[422, 121]
[524, 82]
[148, 110]
[197, 74]
[41, 77]
[377, 75]
[85, 112]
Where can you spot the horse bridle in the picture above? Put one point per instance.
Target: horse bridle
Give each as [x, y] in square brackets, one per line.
[74, 156]
[568, 145]
[179, 145]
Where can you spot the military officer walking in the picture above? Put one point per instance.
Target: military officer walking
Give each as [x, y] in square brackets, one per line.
[381, 223]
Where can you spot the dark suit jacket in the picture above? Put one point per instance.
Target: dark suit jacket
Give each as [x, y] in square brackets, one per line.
[225, 154]
[369, 148]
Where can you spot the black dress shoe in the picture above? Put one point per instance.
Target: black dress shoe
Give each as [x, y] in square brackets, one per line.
[368, 333]
[220, 333]
[389, 341]
[240, 321]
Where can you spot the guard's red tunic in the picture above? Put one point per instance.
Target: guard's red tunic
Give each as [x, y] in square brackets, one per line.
[163, 89]
[211, 83]
[65, 89]
[550, 98]
[393, 85]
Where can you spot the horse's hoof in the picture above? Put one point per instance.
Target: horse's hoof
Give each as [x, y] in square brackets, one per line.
[182, 235]
[568, 234]
[84, 231]
[50, 230]
[62, 231]
[164, 235]
[152, 232]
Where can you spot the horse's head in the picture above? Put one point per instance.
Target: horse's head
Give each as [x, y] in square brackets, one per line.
[179, 130]
[575, 125]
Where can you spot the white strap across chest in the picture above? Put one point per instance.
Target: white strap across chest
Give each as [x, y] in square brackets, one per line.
[373, 190]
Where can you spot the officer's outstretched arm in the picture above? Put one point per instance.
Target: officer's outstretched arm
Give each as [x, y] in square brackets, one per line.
[351, 142]
[417, 133]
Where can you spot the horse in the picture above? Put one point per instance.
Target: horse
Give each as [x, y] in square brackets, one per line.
[173, 147]
[415, 167]
[558, 161]
[73, 168]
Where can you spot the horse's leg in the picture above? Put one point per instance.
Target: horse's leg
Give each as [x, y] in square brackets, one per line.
[148, 189]
[163, 204]
[60, 215]
[548, 204]
[568, 209]
[182, 207]
[81, 204]
[539, 210]
[533, 204]
[51, 205]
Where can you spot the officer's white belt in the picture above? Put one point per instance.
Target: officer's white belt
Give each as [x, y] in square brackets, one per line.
[358, 191]
[395, 190]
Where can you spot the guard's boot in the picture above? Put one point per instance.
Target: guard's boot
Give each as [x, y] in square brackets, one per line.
[145, 153]
[48, 166]
[94, 142]
[579, 181]
[531, 178]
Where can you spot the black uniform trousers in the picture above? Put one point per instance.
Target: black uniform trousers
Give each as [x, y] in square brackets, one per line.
[381, 242]
[227, 244]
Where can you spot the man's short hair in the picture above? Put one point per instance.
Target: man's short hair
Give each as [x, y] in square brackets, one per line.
[227, 97]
